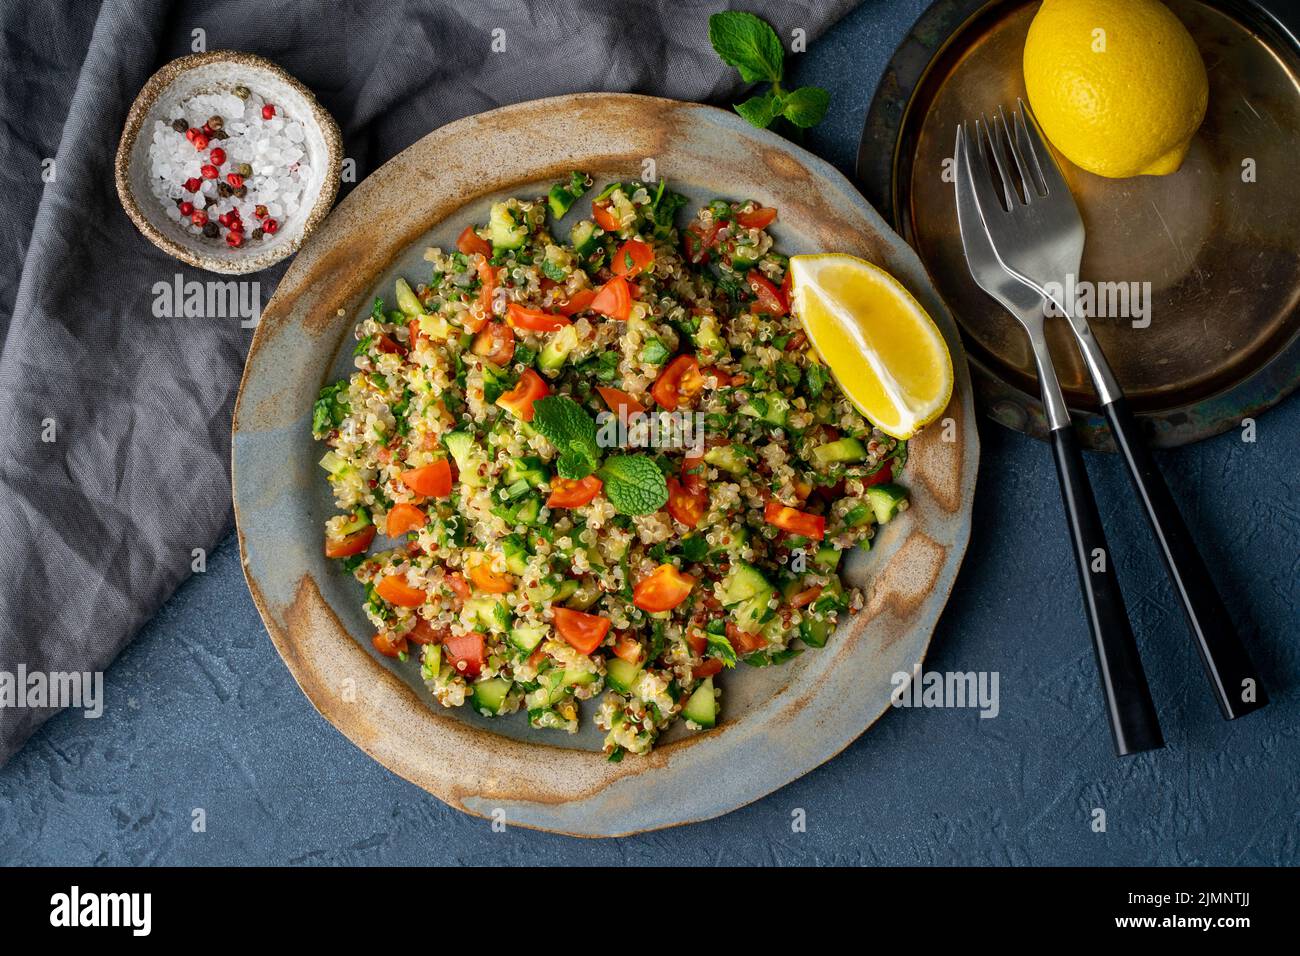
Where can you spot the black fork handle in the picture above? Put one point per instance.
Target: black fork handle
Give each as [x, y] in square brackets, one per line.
[1232, 675]
[1132, 714]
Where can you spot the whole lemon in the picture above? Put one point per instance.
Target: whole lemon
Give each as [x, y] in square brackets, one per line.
[1118, 85]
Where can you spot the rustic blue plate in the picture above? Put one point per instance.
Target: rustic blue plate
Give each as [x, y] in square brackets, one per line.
[777, 723]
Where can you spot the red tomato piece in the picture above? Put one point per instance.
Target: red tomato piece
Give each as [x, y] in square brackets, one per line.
[467, 653]
[426, 633]
[706, 668]
[617, 400]
[478, 316]
[496, 343]
[394, 589]
[431, 481]
[744, 642]
[697, 240]
[519, 400]
[688, 507]
[604, 216]
[583, 631]
[614, 299]
[627, 647]
[348, 545]
[806, 597]
[573, 494]
[403, 518]
[632, 258]
[767, 296]
[795, 521]
[470, 242]
[580, 301]
[387, 645]
[534, 320]
[492, 582]
[663, 589]
[680, 382]
[886, 473]
[760, 217]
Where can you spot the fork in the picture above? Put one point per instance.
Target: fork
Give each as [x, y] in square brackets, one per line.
[1038, 238]
[1131, 713]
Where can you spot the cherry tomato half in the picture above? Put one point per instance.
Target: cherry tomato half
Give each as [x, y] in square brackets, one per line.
[496, 343]
[573, 494]
[614, 299]
[403, 518]
[795, 521]
[632, 258]
[663, 589]
[431, 481]
[470, 242]
[394, 589]
[348, 545]
[519, 400]
[534, 320]
[679, 382]
[583, 631]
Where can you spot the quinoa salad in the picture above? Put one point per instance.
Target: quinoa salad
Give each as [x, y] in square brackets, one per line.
[603, 465]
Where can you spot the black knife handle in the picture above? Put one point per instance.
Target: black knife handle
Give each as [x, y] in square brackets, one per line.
[1232, 675]
[1133, 721]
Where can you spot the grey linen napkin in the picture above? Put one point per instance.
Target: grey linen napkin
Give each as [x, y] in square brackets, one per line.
[115, 424]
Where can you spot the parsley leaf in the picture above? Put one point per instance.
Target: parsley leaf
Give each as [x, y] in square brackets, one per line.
[721, 648]
[330, 408]
[749, 44]
[634, 484]
[568, 426]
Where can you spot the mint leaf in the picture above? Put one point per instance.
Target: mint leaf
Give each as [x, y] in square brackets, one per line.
[805, 106]
[634, 484]
[567, 426]
[747, 43]
[760, 110]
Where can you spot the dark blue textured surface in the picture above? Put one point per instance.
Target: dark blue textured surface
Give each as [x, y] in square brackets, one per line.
[201, 713]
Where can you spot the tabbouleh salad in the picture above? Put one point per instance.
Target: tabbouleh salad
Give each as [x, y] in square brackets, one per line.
[530, 566]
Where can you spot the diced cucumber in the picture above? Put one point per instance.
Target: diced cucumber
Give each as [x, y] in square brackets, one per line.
[503, 229]
[707, 335]
[814, 632]
[578, 678]
[359, 519]
[490, 695]
[583, 238]
[530, 509]
[333, 463]
[529, 468]
[743, 583]
[828, 557]
[557, 348]
[584, 597]
[727, 457]
[562, 196]
[858, 515]
[621, 675]
[702, 707]
[526, 637]
[744, 255]
[516, 553]
[489, 612]
[406, 300]
[468, 457]
[751, 613]
[430, 661]
[842, 450]
[770, 407]
[886, 500]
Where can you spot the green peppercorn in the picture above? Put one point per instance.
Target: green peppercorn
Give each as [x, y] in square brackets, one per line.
[257, 233]
[245, 170]
[224, 190]
[241, 191]
[242, 92]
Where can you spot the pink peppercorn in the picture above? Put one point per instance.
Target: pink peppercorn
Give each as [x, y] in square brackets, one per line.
[200, 218]
[186, 208]
[209, 171]
[269, 226]
[234, 239]
[200, 142]
[192, 184]
[268, 111]
[235, 180]
[218, 156]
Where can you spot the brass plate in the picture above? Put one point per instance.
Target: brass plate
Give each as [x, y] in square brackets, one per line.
[1218, 253]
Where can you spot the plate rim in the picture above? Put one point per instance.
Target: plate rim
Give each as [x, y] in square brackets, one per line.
[967, 461]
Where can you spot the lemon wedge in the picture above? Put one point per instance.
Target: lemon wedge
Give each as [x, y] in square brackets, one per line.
[884, 349]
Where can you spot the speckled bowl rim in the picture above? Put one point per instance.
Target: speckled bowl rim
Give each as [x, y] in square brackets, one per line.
[822, 708]
[144, 102]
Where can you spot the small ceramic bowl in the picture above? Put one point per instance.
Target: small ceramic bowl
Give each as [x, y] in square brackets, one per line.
[217, 72]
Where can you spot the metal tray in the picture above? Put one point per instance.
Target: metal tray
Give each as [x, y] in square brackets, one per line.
[1221, 255]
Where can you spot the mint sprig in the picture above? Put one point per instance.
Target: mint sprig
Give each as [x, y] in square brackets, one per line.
[751, 45]
[568, 426]
[634, 484]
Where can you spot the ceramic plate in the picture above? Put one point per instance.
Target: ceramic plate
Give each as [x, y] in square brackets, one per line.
[777, 722]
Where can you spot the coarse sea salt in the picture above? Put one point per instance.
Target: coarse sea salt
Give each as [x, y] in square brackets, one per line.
[276, 149]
